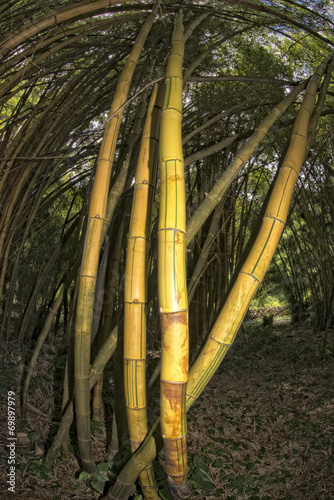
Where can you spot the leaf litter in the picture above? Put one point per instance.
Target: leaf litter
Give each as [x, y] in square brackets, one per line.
[262, 429]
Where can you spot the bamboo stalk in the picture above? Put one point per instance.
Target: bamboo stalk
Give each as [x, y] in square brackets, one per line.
[104, 354]
[206, 52]
[40, 341]
[135, 294]
[193, 24]
[107, 313]
[96, 216]
[242, 156]
[212, 234]
[260, 256]
[119, 184]
[172, 286]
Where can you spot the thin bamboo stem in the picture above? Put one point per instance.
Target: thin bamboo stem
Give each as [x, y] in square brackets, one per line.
[102, 358]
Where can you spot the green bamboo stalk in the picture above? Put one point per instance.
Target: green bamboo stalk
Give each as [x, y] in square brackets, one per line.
[193, 24]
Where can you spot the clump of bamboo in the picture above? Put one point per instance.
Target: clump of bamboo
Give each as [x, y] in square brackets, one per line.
[252, 273]
[96, 216]
[173, 301]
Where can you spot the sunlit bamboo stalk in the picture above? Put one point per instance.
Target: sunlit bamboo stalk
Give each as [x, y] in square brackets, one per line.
[96, 215]
[120, 182]
[173, 301]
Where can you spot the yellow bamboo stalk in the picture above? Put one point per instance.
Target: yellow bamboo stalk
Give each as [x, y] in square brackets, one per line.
[135, 297]
[173, 300]
[87, 282]
[260, 256]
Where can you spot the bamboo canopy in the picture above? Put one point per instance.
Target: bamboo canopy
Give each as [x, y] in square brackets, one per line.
[156, 159]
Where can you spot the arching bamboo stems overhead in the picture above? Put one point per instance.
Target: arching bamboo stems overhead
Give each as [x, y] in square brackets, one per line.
[56, 17]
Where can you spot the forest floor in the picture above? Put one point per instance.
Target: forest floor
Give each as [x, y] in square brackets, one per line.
[263, 428]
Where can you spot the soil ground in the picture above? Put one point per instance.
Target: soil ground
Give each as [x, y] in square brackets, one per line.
[263, 429]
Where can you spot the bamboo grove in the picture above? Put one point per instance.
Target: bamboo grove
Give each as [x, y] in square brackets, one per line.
[156, 160]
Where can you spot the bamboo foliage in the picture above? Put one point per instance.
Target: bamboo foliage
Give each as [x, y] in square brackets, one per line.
[96, 216]
[173, 300]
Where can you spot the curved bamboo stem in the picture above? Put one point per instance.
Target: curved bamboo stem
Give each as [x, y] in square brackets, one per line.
[261, 254]
[53, 19]
[239, 161]
[96, 216]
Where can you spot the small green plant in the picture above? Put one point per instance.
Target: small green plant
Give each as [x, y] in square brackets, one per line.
[99, 478]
